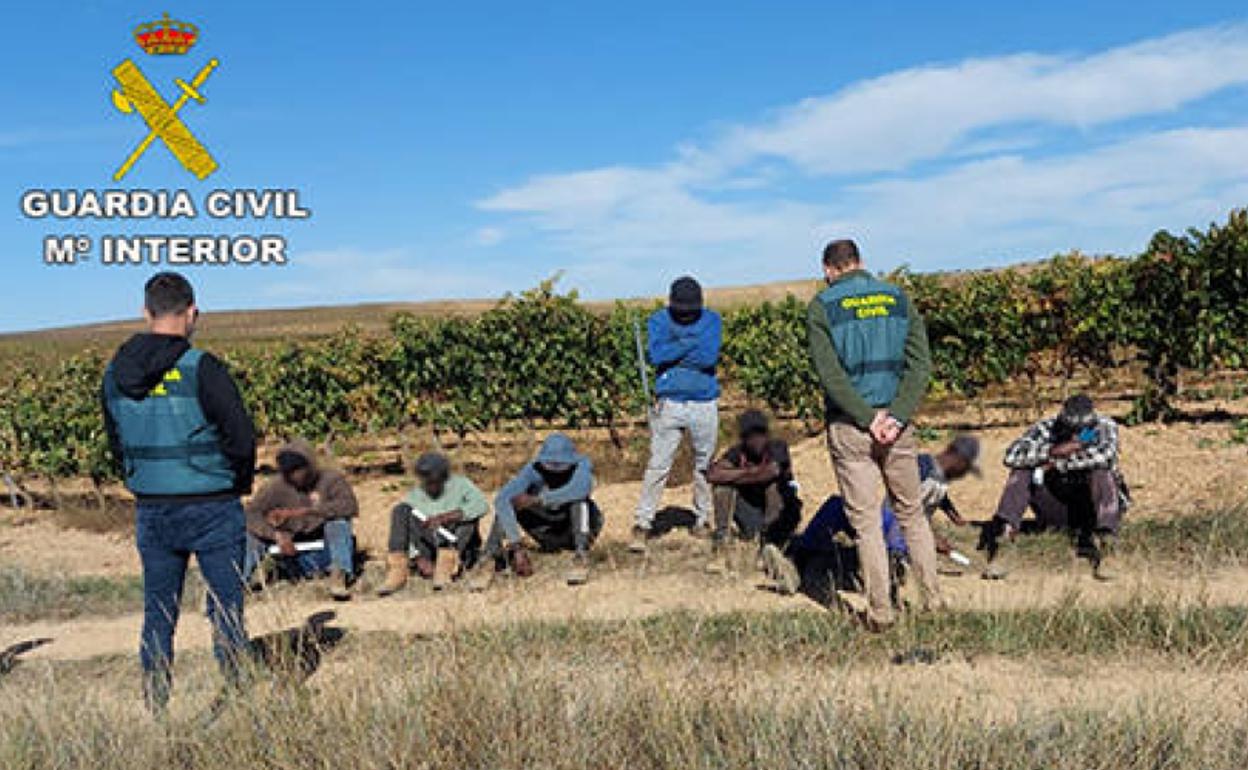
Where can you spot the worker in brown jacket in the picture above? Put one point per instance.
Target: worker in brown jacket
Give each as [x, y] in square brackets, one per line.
[304, 515]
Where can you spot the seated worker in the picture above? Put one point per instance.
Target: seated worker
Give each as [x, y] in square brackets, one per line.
[434, 529]
[1064, 468]
[754, 488]
[825, 556]
[306, 513]
[550, 500]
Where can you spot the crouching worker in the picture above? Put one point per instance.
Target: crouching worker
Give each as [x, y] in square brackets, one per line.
[1065, 469]
[550, 500]
[936, 472]
[434, 529]
[303, 516]
[824, 557]
[754, 489]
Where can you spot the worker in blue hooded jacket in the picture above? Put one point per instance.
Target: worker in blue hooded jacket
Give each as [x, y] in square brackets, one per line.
[684, 341]
[550, 499]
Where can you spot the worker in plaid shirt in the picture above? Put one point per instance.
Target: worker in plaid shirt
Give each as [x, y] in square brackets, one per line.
[1064, 468]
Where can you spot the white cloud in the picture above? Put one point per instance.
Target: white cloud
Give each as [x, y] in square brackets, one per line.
[381, 275]
[488, 236]
[995, 157]
[888, 123]
[1097, 200]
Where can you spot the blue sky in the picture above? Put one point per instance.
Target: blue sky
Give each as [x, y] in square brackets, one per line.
[468, 149]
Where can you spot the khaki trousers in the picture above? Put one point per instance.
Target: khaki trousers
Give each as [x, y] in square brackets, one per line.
[859, 464]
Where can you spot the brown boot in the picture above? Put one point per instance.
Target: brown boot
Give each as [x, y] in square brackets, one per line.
[481, 577]
[578, 570]
[445, 567]
[338, 590]
[782, 572]
[424, 567]
[520, 564]
[396, 574]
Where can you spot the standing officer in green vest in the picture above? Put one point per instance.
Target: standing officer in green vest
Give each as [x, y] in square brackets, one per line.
[187, 451]
[870, 349]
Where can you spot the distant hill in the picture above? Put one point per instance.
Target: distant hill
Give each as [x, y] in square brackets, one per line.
[309, 322]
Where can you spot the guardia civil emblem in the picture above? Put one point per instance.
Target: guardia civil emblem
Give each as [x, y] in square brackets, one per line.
[136, 95]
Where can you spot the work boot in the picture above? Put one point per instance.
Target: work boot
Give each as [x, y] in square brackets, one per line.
[338, 590]
[396, 574]
[578, 570]
[874, 625]
[640, 543]
[991, 541]
[481, 577]
[998, 568]
[719, 563]
[445, 568]
[780, 570]
[262, 577]
[1097, 554]
[990, 536]
[521, 566]
[425, 567]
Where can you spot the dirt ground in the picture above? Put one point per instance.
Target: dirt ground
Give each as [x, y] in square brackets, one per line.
[1175, 471]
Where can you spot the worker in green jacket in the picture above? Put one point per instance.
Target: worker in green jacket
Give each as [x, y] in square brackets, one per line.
[870, 349]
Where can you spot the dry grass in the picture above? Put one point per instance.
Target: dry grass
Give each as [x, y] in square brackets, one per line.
[1038, 689]
[25, 596]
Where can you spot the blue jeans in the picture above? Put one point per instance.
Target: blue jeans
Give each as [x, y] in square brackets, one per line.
[339, 553]
[167, 535]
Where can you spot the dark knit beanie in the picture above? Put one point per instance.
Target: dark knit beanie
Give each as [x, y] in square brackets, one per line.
[686, 295]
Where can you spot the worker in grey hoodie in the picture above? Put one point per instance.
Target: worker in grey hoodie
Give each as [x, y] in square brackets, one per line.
[550, 499]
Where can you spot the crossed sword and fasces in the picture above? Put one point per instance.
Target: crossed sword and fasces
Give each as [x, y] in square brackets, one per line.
[136, 93]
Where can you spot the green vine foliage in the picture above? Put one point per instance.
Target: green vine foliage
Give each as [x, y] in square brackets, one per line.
[543, 357]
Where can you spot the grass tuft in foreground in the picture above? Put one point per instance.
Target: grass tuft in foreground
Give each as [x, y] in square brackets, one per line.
[25, 596]
[1010, 691]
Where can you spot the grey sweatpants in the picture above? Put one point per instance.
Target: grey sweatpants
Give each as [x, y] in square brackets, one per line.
[671, 420]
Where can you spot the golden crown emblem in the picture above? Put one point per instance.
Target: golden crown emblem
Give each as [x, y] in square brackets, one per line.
[166, 36]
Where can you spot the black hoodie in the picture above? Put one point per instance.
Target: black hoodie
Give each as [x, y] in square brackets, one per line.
[139, 366]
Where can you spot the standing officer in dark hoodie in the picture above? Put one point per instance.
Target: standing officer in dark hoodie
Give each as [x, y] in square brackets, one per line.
[186, 446]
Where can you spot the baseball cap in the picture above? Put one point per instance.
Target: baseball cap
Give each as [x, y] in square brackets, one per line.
[1078, 411]
[432, 465]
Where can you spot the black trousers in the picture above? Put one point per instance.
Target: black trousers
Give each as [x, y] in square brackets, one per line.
[407, 536]
[827, 570]
[570, 527]
[773, 522]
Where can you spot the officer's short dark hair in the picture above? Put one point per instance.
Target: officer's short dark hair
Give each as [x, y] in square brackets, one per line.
[842, 253]
[167, 294]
